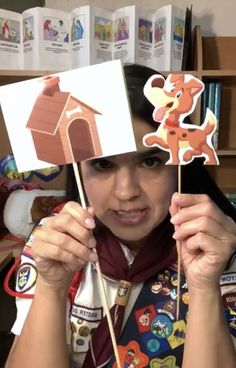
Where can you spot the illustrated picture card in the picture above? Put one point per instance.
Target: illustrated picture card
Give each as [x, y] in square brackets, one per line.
[68, 117]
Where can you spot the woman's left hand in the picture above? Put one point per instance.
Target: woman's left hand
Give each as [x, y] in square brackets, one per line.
[207, 238]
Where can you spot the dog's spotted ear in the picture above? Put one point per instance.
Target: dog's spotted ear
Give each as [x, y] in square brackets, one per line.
[157, 81]
[195, 86]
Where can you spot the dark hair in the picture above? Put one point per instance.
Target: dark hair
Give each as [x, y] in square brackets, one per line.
[195, 177]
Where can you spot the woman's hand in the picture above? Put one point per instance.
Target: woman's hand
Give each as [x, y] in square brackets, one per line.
[207, 238]
[63, 244]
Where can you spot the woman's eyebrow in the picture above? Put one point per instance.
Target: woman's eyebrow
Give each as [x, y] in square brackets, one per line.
[149, 152]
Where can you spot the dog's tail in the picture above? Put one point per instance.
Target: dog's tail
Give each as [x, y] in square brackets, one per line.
[210, 122]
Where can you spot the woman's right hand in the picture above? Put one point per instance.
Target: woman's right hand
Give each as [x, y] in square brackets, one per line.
[63, 244]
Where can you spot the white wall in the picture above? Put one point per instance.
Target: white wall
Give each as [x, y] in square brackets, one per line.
[216, 17]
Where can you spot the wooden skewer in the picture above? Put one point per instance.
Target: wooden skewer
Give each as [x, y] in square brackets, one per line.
[178, 245]
[100, 278]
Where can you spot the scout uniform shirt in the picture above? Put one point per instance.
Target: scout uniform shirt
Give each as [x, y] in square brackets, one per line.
[151, 335]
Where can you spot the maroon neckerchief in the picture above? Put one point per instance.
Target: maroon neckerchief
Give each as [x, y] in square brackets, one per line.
[158, 252]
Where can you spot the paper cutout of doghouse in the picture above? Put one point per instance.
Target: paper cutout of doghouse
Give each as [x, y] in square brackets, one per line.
[63, 128]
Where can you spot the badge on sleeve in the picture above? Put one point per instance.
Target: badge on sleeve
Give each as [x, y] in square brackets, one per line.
[26, 277]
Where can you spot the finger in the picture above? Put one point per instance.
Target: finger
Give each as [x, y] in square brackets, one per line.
[207, 209]
[219, 251]
[64, 223]
[186, 199]
[44, 240]
[203, 224]
[56, 254]
[174, 208]
[82, 215]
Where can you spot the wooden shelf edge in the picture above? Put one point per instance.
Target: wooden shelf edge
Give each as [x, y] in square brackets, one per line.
[219, 73]
[39, 73]
[25, 73]
[226, 152]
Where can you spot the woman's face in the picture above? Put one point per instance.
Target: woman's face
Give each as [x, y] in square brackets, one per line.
[131, 192]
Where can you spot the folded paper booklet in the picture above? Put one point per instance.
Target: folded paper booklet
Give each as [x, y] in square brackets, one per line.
[132, 34]
[68, 117]
[10, 40]
[50, 39]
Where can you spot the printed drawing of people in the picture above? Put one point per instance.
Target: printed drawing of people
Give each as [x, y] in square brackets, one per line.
[159, 32]
[142, 32]
[104, 34]
[179, 32]
[79, 30]
[28, 31]
[5, 28]
[144, 319]
[122, 33]
[62, 34]
[49, 31]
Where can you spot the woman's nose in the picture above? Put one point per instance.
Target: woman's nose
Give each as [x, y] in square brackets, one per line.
[126, 184]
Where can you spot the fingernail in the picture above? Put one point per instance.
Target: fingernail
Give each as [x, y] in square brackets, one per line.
[174, 219]
[90, 222]
[92, 242]
[174, 236]
[93, 257]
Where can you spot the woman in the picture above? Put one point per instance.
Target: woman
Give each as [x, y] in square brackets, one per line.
[130, 200]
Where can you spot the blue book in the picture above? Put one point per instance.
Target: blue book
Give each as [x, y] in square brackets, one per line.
[204, 101]
[211, 96]
[217, 101]
[215, 139]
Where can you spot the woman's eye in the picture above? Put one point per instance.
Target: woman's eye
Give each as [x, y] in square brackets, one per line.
[151, 162]
[101, 164]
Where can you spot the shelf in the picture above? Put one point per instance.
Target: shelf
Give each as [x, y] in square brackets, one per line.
[13, 76]
[219, 73]
[227, 152]
[23, 73]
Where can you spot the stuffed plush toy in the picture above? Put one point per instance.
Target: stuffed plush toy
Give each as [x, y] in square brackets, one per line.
[24, 208]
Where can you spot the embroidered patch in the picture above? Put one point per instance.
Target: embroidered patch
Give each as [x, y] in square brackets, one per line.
[168, 362]
[161, 310]
[228, 279]
[174, 279]
[166, 289]
[173, 294]
[230, 311]
[170, 307]
[153, 345]
[148, 338]
[230, 315]
[156, 287]
[161, 326]
[80, 334]
[26, 277]
[178, 335]
[229, 300]
[131, 356]
[144, 317]
[87, 314]
[185, 298]
[164, 276]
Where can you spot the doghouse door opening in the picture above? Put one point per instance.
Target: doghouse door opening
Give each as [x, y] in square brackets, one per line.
[80, 139]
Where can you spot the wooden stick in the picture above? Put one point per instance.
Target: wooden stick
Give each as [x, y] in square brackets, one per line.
[178, 245]
[99, 272]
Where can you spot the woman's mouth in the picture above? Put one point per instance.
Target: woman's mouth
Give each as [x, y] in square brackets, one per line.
[131, 217]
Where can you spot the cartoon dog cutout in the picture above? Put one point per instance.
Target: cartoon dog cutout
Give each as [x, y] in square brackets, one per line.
[174, 99]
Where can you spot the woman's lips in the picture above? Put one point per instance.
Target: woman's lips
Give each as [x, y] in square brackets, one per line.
[132, 217]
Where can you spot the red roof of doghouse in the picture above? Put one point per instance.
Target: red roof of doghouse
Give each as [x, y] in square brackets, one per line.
[48, 110]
